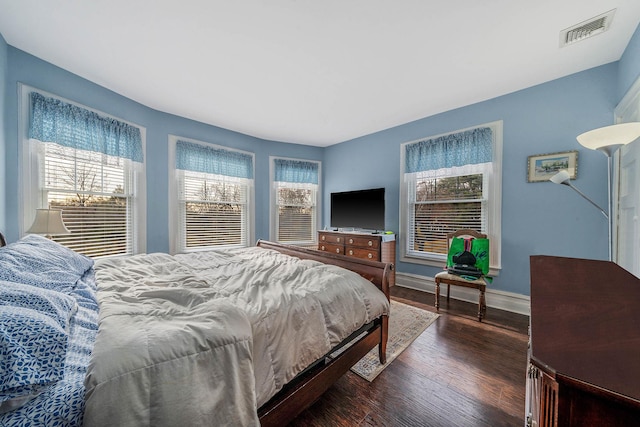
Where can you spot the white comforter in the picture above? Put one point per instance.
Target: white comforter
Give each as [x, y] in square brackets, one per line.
[206, 338]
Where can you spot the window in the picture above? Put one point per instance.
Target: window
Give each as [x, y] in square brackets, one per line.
[451, 182]
[214, 188]
[295, 201]
[88, 165]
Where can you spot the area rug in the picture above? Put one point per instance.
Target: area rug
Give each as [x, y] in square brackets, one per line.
[406, 323]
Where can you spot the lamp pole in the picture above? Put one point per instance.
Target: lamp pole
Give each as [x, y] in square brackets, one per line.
[609, 151]
[610, 203]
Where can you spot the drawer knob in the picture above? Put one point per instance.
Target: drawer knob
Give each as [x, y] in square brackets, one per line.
[322, 247]
[350, 251]
[370, 242]
[350, 241]
[323, 237]
[337, 250]
[370, 255]
[338, 239]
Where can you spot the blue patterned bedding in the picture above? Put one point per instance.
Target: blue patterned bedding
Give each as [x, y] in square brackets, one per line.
[48, 325]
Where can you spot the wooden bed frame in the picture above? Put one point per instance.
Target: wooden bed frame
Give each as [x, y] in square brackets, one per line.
[305, 389]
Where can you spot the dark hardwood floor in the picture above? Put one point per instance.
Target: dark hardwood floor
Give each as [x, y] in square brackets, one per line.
[459, 372]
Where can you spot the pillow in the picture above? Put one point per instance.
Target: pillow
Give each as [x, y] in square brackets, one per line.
[33, 348]
[35, 260]
[58, 306]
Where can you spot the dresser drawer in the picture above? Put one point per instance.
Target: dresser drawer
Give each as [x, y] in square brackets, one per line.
[362, 253]
[373, 247]
[363, 242]
[331, 238]
[328, 247]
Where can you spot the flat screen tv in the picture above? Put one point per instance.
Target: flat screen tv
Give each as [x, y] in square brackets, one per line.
[363, 209]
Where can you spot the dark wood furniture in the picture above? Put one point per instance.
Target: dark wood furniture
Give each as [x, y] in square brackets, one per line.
[298, 395]
[374, 247]
[451, 279]
[584, 343]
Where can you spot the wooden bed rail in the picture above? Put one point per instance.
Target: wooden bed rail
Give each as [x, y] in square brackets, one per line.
[303, 391]
[376, 272]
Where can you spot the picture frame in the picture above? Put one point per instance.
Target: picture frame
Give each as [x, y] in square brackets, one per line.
[541, 167]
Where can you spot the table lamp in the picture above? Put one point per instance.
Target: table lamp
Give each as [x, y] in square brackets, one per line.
[48, 222]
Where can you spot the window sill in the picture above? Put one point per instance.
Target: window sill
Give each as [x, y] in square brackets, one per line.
[432, 262]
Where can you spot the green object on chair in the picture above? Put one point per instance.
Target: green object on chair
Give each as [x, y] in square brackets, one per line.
[476, 245]
[479, 249]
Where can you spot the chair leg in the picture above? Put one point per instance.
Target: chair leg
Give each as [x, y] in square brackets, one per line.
[448, 289]
[437, 295]
[482, 305]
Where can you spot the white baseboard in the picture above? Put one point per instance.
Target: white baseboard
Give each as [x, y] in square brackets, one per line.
[508, 301]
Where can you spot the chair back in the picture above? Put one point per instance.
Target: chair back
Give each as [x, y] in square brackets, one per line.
[465, 232]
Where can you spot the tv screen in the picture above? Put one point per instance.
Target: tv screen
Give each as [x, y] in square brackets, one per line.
[358, 209]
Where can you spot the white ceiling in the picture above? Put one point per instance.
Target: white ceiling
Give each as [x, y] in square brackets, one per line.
[314, 72]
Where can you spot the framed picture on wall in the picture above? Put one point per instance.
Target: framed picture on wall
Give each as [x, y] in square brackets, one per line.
[541, 167]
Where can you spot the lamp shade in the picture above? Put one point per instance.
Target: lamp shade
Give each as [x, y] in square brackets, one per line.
[620, 134]
[48, 222]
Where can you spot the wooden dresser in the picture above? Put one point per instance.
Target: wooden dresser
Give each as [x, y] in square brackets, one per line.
[584, 344]
[375, 247]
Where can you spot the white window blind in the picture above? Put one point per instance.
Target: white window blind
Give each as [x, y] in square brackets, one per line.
[442, 205]
[296, 206]
[214, 210]
[294, 195]
[95, 193]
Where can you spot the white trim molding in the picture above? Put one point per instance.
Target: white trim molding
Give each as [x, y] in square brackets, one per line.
[508, 301]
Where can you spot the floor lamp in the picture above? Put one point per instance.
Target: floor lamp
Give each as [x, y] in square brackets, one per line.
[607, 140]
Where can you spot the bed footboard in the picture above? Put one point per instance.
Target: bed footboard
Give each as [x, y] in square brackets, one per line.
[376, 272]
[307, 388]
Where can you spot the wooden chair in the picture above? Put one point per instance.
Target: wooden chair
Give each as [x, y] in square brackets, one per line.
[451, 279]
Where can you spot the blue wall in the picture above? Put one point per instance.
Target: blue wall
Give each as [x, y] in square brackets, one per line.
[537, 218]
[3, 128]
[629, 65]
[32, 71]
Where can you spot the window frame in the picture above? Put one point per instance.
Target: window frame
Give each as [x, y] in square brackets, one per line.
[177, 238]
[32, 197]
[494, 202]
[273, 204]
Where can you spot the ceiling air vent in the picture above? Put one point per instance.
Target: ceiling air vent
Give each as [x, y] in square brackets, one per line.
[586, 29]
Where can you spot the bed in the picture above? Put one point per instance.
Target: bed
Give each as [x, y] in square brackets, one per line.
[249, 336]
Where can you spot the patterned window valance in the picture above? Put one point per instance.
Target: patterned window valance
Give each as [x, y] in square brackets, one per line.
[456, 149]
[297, 171]
[214, 160]
[52, 120]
